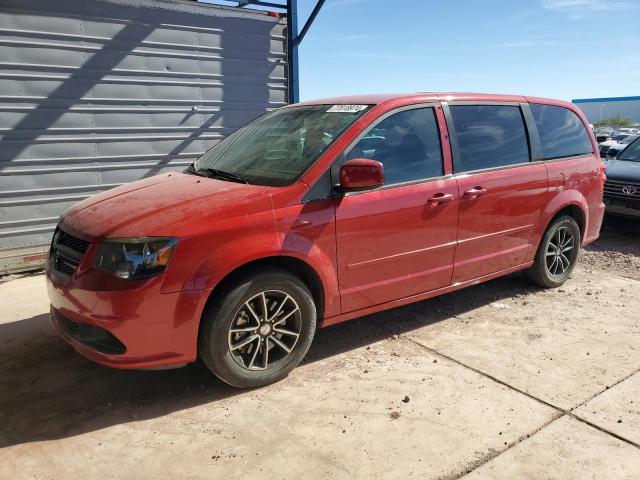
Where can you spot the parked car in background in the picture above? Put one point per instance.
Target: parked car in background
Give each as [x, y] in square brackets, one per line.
[387, 200]
[622, 187]
[614, 140]
[618, 147]
[603, 133]
[626, 131]
[604, 130]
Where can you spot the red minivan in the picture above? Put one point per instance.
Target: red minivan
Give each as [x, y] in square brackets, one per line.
[317, 213]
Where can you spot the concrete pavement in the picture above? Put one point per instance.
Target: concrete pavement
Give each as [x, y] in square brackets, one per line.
[501, 380]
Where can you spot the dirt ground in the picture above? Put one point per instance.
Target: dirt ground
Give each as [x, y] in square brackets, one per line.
[499, 381]
[618, 249]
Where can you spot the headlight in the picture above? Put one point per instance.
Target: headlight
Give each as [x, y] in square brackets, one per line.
[135, 258]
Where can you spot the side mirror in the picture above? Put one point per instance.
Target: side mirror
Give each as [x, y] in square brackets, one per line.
[360, 173]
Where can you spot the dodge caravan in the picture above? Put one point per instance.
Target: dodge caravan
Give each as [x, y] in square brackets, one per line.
[321, 212]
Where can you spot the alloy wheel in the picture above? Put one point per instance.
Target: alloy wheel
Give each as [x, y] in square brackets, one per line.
[560, 252]
[265, 330]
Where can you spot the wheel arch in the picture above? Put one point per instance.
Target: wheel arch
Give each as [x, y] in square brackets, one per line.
[293, 265]
[539, 272]
[570, 203]
[574, 211]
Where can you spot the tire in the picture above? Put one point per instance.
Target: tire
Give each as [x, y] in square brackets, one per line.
[553, 265]
[233, 356]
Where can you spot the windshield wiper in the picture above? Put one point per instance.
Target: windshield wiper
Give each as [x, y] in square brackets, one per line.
[215, 173]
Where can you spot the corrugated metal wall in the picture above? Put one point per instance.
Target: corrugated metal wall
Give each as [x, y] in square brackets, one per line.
[96, 93]
[596, 109]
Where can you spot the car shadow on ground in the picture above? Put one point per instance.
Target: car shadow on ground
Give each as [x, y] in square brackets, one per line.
[50, 392]
[619, 234]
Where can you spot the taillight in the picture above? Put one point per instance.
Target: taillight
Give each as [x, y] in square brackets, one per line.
[602, 173]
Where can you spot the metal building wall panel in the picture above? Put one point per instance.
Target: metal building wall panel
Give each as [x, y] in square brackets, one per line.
[94, 94]
[597, 109]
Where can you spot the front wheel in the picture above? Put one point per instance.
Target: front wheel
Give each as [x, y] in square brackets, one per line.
[557, 254]
[258, 331]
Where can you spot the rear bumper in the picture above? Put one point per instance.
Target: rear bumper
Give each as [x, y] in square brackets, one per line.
[154, 329]
[596, 217]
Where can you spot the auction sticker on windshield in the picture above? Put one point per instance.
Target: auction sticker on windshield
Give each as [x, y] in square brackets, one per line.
[346, 108]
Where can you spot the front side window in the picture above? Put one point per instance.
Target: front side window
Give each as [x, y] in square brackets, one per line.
[488, 136]
[407, 143]
[562, 133]
[277, 148]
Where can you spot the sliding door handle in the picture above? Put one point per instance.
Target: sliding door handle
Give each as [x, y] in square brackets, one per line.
[475, 192]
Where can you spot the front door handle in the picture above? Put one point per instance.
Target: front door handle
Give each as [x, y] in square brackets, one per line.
[475, 192]
[440, 199]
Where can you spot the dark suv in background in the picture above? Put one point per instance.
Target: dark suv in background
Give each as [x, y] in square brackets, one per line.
[622, 188]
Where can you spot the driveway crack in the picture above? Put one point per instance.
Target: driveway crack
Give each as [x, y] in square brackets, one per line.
[559, 412]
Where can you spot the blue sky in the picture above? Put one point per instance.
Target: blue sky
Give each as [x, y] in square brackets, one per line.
[553, 48]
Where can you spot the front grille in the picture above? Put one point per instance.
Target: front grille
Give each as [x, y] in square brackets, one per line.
[92, 336]
[66, 252]
[622, 190]
[74, 243]
[72, 328]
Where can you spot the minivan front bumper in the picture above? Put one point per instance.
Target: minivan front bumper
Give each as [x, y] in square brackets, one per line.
[128, 329]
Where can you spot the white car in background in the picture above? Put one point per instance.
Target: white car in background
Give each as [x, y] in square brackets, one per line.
[626, 131]
[604, 130]
[615, 139]
[615, 149]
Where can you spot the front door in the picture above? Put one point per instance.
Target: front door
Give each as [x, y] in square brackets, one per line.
[501, 193]
[397, 240]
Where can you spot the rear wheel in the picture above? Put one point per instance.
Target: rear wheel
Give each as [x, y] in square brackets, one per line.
[557, 254]
[258, 331]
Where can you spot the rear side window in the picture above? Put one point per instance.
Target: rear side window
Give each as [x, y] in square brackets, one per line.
[562, 133]
[488, 136]
[407, 143]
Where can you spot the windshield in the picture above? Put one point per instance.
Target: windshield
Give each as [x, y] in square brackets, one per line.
[277, 148]
[632, 152]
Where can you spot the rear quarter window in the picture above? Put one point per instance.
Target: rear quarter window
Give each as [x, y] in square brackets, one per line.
[562, 133]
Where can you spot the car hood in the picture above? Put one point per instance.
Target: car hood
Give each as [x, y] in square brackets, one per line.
[623, 170]
[171, 204]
